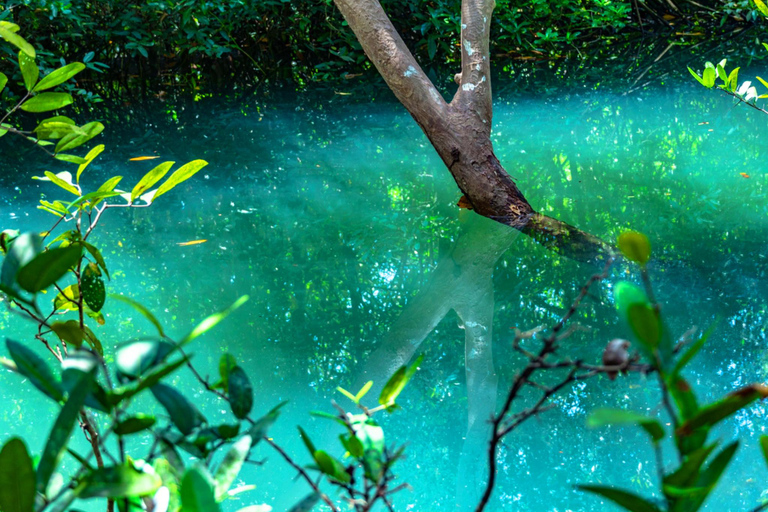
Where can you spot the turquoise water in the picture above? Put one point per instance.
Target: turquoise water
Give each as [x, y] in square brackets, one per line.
[338, 220]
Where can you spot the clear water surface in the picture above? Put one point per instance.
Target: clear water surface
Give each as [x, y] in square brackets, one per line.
[336, 217]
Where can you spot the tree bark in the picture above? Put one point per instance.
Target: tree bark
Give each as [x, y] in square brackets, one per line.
[460, 130]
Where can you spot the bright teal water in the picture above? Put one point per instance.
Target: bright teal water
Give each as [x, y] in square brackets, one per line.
[334, 216]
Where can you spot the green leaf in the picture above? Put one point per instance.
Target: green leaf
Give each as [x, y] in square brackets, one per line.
[55, 128]
[347, 394]
[646, 324]
[635, 247]
[96, 255]
[48, 267]
[240, 393]
[721, 72]
[92, 287]
[210, 322]
[147, 380]
[397, 382]
[601, 417]
[59, 76]
[625, 294]
[183, 173]
[47, 101]
[713, 413]
[62, 179]
[761, 7]
[709, 77]
[119, 482]
[627, 500]
[733, 80]
[72, 159]
[363, 391]
[197, 493]
[3, 81]
[90, 157]
[687, 474]
[62, 430]
[307, 441]
[230, 467]
[692, 351]
[150, 179]
[262, 425]
[72, 140]
[69, 332]
[143, 310]
[136, 358]
[133, 424]
[16, 40]
[226, 363]
[67, 298]
[29, 70]
[23, 249]
[183, 414]
[17, 492]
[696, 76]
[34, 367]
[306, 504]
[330, 466]
[764, 447]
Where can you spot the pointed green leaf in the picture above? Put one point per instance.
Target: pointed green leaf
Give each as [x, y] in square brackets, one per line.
[47, 101]
[330, 466]
[23, 250]
[150, 179]
[3, 81]
[133, 424]
[17, 491]
[62, 430]
[69, 332]
[29, 70]
[230, 467]
[733, 80]
[601, 417]
[55, 129]
[696, 76]
[210, 322]
[183, 173]
[72, 140]
[306, 504]
[364, 390]
[764, 447]
[307, 441]
[183, 414]
[397, 382]
[34, 367]
[262, 425]
[197, 493]
[709, 77]
[48, 267]
[9, 35]
[347, 394]
[92, 154]
[59, 76]
[627, 500]
[761, 7]
[62, 179]
[119, 482]
[713, 413]
[646, 324]
[143, 310]
[240, 393]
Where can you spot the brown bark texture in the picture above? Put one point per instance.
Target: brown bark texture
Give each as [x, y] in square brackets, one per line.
[460, 130]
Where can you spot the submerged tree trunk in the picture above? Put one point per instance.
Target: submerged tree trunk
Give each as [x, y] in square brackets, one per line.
[460, 130]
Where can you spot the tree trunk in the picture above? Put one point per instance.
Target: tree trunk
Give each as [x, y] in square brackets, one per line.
[460, 130]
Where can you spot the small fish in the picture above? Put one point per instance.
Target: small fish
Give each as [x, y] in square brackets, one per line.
[744, 175]
[142, 158]
[192, 242]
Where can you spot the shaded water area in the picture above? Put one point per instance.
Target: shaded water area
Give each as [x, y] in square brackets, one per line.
[339, 221]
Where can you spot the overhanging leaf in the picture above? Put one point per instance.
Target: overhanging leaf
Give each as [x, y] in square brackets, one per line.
[240, 393]
[119, 482]
[183, 414]
[16, 40]
[17, 491]
[48, 267]
[713, 413]
[197, 493]
[210, 322]
[230, 467]
[34, 367]
[59, 76]
[150, 179]
[181, 174]
[47, 101]
[627, 500]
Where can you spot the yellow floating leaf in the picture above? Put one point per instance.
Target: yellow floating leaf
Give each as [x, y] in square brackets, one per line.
[142, 158]
[744, 175]
[192, 242]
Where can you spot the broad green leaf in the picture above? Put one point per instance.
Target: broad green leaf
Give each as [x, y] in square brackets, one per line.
[62, 179]
[687, 474]
[761, 7]
[210, 322]
[683, 394]
[92, 197]
[197, 494]
[710, 476]
[226, 363]
[364, 390]
[733, 80]
[55, 129]
[696, 76]
[135, 358]
[183, 173]
[397, 382]
[601, 417]
[34, 367]
[96, 255]
[183, 414]
[370, 434]
[29, 70]
[9, 35]
[627, 500]
[72, 159]
[262, 425]
[635, 247]
[67, 298]
[48, 267]
[330, 466]
[92, 287]
[230, 467]
[133, 424]
[240, 393]
[646, 324]
[23, 250]
[72, 140]
[119, 482]
[713, 413]
[3, 81]
[17, 491]
[69, 332]
[90, 157]
[709, 77]
[764, 447]
[150, 179]
[721, 73]
[47, 101]
[625, 294]
[147, 380]
[59, 76]
[306, 504]
[143, 310]
[62, 430]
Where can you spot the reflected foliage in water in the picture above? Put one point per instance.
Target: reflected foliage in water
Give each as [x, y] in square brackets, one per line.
[340, 222]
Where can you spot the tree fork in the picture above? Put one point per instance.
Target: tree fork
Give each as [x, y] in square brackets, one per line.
[460, 130]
